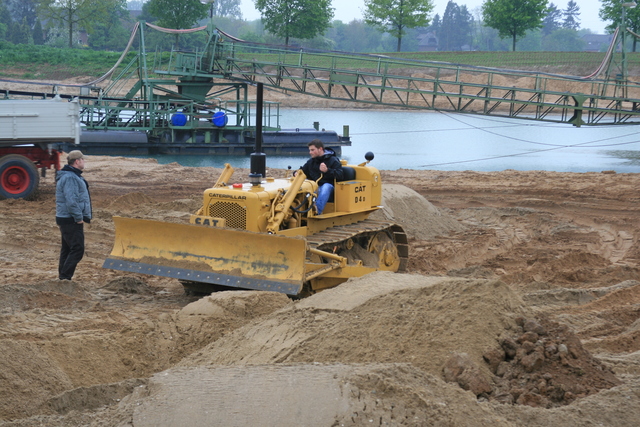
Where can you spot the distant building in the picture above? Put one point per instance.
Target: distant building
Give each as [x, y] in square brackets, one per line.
[427, 42]
[597, 42]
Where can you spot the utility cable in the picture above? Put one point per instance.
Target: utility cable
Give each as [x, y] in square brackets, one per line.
[484, 129]
[581, 144]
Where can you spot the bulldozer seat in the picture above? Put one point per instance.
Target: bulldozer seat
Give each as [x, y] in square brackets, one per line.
[348, 173]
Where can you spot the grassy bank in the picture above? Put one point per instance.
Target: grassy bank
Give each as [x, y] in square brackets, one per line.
[44, 62]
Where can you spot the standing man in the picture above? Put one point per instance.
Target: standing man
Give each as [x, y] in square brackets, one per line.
[73, 209]
[325, 165]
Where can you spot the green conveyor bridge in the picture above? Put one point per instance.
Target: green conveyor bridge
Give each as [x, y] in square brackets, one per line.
[605, 97]
[218, 79]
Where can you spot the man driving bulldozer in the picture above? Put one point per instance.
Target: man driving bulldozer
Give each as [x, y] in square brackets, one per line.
[323, 165]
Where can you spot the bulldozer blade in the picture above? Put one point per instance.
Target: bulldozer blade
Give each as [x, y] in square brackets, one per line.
[219, 256]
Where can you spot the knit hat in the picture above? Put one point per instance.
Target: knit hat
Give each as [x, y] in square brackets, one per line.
[75, 154]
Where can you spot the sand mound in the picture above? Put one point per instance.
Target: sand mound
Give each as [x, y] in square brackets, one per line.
[400, 318]
[354, 323]
[419, 218]
[245, 305]
[23, 364]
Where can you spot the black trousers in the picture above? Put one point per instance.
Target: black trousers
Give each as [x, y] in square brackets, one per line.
[72, 249]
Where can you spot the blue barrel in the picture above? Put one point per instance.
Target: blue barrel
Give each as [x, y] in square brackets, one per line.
[220, 119]
[179, 119]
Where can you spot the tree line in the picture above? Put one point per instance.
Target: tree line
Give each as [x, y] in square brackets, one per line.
[387, 25]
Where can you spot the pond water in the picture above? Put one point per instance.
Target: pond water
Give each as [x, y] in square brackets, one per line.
[444, 141]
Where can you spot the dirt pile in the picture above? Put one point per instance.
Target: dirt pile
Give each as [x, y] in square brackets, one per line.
[545, 366]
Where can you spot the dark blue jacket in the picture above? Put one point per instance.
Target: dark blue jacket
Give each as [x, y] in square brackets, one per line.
[312, 168]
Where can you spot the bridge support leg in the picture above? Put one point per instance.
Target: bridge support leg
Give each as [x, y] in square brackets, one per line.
[576, 119]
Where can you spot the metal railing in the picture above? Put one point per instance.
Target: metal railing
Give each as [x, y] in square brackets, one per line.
[414, 84]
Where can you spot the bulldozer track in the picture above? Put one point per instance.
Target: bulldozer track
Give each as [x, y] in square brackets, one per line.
[324, 240]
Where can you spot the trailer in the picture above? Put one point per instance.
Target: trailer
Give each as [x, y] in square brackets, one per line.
[32, 133]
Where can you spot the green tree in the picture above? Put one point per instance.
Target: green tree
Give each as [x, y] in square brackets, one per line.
[23, 9]
[111, 35]
[513, 18]
[395, 16]
[366, 37]
[21, 32]
[236, 27]
[571, 16]
[38, 35]
[252, 36]
[5, 20]
[552, 21]
[436, 25]
[145, 15]
[177, 14]
[356, 36]
[75, 14]
[455, 30]
[531, 42]
[465, 25]
[611, 10]
[448, 39]
[303, 19]
[227, 8]
[564, 40]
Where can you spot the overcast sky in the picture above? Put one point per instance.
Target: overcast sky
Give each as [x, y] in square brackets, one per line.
[348, 10]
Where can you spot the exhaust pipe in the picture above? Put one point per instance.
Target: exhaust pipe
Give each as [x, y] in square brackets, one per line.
[258, 163]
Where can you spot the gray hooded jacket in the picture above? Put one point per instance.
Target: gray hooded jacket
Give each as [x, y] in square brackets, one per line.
[72, 196]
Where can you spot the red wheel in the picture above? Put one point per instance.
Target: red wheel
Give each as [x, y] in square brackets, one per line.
[18, 177]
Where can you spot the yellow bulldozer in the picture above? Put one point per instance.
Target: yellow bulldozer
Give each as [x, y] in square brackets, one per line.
[266, 235]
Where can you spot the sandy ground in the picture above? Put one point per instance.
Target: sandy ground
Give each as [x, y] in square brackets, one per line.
[520, 308]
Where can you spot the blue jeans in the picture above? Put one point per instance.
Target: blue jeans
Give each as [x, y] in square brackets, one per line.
[324, 193]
